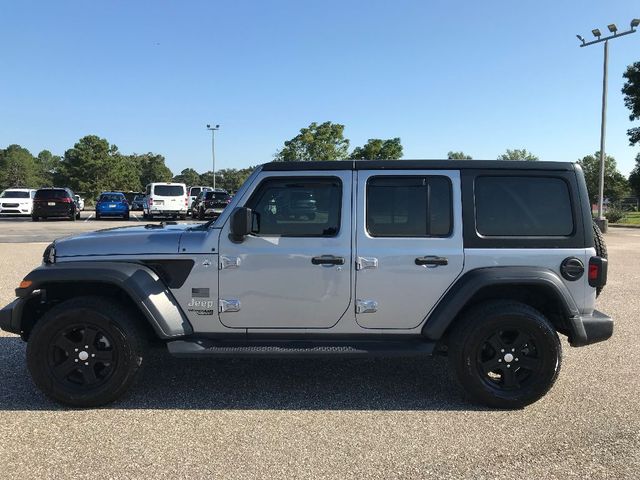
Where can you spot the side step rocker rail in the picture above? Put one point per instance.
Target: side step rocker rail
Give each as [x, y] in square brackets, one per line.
[206, 347]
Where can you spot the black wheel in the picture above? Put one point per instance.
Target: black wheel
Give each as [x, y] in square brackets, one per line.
[183, 217]
[73, 217]
[85, 352]
[78, 215]
[150, 216]
[35, 219]
[201, 215]
[505, 354]
[601, 248]
[97, 216]
[126, 216]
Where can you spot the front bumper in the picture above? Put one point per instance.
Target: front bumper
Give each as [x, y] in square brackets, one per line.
[588, 329]
[11, 316]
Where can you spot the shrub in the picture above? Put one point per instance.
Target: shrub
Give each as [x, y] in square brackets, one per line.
[614, 215]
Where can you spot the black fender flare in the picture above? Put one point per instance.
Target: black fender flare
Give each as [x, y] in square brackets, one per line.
[464, 289]
[145, 288]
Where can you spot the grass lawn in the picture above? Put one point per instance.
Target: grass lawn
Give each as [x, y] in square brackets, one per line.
[632, 218]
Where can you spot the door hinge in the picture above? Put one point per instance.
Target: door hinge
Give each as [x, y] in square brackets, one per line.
[229, 305]
[366, 306]
[229, 262]
[363, 263]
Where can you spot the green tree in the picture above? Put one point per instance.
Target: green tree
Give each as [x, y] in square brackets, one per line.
[631, 91]
[17, 168]
[634, 178]
[188, 176]
[518, 154]
[615, 185]
[316, 142]
[93, 166]
[378, 149]
[47, 167]
[152, 168]
[458, 156]
[231, 179]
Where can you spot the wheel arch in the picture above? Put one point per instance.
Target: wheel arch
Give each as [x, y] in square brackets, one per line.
[539, 288]
[136, 286]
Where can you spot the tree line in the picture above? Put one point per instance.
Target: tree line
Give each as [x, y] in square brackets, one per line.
[94, 165]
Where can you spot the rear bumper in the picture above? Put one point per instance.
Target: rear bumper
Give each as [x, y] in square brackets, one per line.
[11, 316]
[589, 329]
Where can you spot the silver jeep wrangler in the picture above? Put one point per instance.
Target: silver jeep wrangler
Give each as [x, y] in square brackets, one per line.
[482, 261]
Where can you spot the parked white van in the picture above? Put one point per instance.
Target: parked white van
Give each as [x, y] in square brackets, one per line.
[166, 200]
[17, 201]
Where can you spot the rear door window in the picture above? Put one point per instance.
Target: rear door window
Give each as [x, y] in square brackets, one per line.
[409, 206]
[14, 194]
[168, 190]
[523, 206]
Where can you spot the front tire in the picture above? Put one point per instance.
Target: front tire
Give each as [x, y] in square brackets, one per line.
[85, 352]
[505, 354]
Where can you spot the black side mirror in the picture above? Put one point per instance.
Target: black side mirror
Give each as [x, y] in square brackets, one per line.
[241, 222]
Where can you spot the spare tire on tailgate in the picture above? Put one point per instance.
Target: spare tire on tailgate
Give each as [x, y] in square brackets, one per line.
[601, 247]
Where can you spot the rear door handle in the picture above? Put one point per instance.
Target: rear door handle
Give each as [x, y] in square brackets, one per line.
[327, 260]
[432, 261]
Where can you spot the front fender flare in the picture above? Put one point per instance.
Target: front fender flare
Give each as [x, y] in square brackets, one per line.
[139, 282]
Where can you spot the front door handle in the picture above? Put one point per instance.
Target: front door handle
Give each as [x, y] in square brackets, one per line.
[432, 261]
[327, 260]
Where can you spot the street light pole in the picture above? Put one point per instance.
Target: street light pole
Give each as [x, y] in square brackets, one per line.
[213, 150]
[601, 220]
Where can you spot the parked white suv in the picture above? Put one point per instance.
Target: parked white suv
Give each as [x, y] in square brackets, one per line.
[166, 200]
[17, 201]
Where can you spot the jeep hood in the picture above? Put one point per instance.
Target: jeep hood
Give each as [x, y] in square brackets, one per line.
[143, 240]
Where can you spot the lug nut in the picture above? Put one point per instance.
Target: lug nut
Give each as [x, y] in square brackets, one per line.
[76, 360]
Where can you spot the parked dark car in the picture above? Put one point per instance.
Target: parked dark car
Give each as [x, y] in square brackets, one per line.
[210, 204]
[112, 204]
[55, 202]
[137, 203]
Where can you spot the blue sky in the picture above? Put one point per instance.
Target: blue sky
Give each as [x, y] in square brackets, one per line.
[442, 75]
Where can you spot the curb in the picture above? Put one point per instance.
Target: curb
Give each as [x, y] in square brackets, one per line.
[623, 225]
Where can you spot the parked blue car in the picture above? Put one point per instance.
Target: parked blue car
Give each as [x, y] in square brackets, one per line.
[112, 204]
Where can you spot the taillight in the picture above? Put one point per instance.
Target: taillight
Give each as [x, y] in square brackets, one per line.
[594, 272]
[66, 200]
[186, 201]
[597, 271]
[150, 201]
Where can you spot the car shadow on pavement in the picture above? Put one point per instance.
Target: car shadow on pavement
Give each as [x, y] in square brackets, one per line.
[260, 384]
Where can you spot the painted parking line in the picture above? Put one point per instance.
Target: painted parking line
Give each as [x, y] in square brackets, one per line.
[89, 218]
[135, 216]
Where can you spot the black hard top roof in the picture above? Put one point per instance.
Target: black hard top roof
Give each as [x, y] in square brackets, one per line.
[418, 165]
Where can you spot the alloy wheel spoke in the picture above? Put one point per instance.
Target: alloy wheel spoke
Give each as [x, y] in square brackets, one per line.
[104, 356]
[496, 342]
[65, 368]
[65, 344]
[509, 378]
[520, 341]
[89, 336]
[89, 375]
[490, 365]
[528, 363]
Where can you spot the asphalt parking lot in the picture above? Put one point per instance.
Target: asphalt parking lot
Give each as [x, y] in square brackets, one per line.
[327, 418]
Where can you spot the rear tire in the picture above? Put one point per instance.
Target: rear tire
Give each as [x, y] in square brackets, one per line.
[601, 248]
[97, 216]
[126, 217]
[73, 217]
[505, 354]
[35, 219]
[85, 352]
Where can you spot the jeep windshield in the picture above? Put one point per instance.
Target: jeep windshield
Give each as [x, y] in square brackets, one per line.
[168, 190]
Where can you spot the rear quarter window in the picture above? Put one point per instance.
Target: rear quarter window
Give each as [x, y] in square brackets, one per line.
[526, 206]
